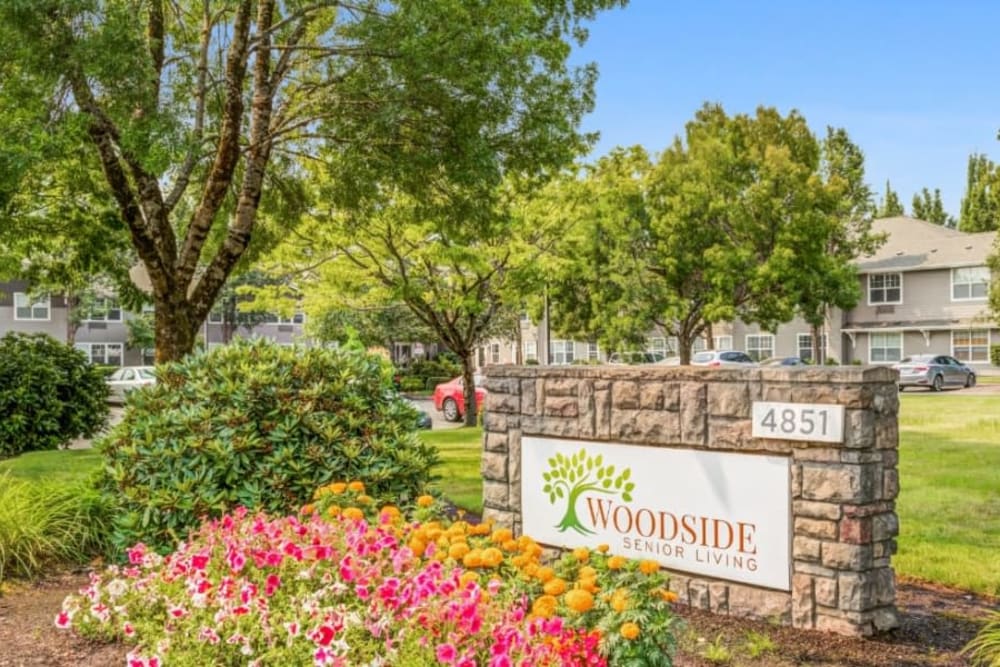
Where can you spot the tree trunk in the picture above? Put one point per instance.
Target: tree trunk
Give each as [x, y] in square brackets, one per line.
[519, 342]
[684, 347]
[72, 318]
[175, 331]
[709, 337]
[817, 335]
[469, 389]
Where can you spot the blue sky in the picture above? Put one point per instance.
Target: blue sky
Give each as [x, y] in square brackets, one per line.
[916, 84]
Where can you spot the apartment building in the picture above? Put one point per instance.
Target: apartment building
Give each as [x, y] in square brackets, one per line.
[103, 332]
[923, 292]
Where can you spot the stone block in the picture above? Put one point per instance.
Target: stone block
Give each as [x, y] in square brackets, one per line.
[496, 496]
[887, 433]
[500, 422]
[825, 590]
[645, 426]
[729, 399]
[837, 483]
[514, 462]
[493, 466]
[890, 484]
[495, 442]
[561, 406]
[529, 397]
[501, 385]
[886, 618]
[729, 434]
[801, 567]
[651, 396]
[503, 403]
[885, 586]
[718, 597]
[698, 594]
[514, 493]
[885, 526]
[857, 591]
[817, 454]
[854, 557]
[796, 481]
[816, 510]
[803, 601]
[828, 622]
[859, 429]
[561, 387]
[602, 413]
[820, 529]
[500, 518]
[806, 549]
[679, 585]
[625, 395]
[759, 603]
[856, 531]
[694, 414]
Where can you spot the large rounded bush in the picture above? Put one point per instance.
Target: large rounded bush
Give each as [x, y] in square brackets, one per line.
[258, 425]
[49, 394]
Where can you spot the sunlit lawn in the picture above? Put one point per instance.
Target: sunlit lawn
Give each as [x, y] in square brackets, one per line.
[949, 499]
[459, 472]
[58, 465]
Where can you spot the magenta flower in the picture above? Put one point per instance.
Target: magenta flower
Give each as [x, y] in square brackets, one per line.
[446, 653]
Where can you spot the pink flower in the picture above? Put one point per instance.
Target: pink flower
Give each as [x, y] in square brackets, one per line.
[128, 629]
[63, 620]
[446, 653]
[199, 561]
[136, 553]
[272, 584]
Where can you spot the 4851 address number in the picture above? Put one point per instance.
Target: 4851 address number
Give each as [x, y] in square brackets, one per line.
[798, 421]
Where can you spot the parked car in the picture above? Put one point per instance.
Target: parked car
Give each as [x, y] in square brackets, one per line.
[722, 358]
[934, 372]
[128, 378]
[784, 361]
[424, 420]
[449, 397]
[632, 358]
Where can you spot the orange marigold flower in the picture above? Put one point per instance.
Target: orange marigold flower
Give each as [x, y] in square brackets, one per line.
[337, 487]
[425, 501]
[545, 574]
[544, 606]
[473, 559]
[353, 513]
[629, 630]
[586, 572]
[617, 562]
[588, 584]
[356, 486]
[365, 500]
[308, 509]
[492, 557]
[582, 554]
[458, 550]
[501, 535]
[467, 577]
[603, 548]
[391, 510]
[554, 587]
[510, 545]
[619, 600]
[649, 567]
[417, 546]
[333, 510]
[579, 600]
[669, 596]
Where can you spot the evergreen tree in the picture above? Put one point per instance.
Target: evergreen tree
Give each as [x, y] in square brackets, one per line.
[890, 206]
[929, 207]
[981, 203]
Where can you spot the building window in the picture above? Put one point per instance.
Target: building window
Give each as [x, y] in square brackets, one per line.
[104, 309]
[971, 282]
[805, 344]
[971, 346]
[698, 345]
[657, 346]
[106, 354]
[723, 342]
[215, 317]
[885, 288]
[885, 347]
[494, 353]
[563, 351]
[530, 350]
[593, 352]
[760, 346]
[24, 309]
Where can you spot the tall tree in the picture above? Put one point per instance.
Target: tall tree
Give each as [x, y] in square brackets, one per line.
[929, 207]
[890, 206]
[719, 228]
[200, 113]
[980, 210]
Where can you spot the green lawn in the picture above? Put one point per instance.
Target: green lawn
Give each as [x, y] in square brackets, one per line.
[949, 499]
[460, 479]
[59, 465]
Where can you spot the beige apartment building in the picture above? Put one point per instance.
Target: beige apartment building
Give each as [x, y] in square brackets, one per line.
[923, 292]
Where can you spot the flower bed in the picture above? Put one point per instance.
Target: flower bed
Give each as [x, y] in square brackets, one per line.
[351, 582]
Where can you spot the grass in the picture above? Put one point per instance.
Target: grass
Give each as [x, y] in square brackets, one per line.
[949, 500]
[56, 466]
[459, 471]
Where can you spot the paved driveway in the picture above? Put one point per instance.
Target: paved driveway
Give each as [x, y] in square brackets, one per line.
[427, 405]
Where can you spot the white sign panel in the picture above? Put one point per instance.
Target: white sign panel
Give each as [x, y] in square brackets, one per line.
[718, 514]
[820, 422]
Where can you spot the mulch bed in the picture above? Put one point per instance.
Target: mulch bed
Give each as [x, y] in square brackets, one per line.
[936, 623]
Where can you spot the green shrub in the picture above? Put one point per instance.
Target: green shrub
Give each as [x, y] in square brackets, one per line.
[995, 355]
[258, 425]
[985, 648]
[412, 384]
[43, 523]
[49, 394]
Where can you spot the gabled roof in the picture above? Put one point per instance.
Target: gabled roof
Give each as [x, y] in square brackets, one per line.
[918, 245]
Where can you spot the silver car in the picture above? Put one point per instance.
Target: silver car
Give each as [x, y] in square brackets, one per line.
[722, 358]
[934, 372]
[128, 378]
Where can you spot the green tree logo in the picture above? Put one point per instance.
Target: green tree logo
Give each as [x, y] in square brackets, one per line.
[570, 477]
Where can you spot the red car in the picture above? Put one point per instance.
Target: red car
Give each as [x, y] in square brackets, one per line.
[449, 398]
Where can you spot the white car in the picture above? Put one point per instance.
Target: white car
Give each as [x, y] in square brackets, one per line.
[128, 378]
[722, 358]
